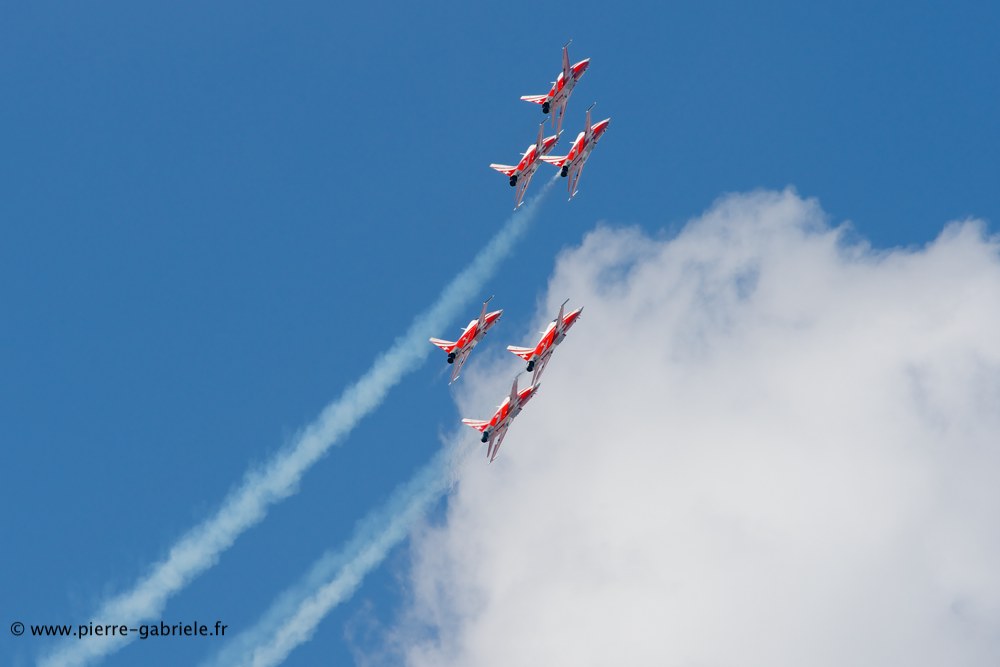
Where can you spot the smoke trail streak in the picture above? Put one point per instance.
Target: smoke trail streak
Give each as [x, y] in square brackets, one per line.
[200, 547]
[293, 618]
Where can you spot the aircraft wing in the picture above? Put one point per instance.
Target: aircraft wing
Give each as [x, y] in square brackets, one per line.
[540, 364]
[574, 179]
[522, 187]
[460, 358]
[558, 113]
[496, 439]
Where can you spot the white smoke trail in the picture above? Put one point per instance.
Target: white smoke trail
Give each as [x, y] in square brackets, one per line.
[200, 547]
[293, 618]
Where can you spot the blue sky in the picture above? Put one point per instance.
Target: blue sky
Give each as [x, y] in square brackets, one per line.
[215, 217]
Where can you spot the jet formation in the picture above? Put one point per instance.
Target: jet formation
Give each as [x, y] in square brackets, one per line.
[495, 429]
[555, 103]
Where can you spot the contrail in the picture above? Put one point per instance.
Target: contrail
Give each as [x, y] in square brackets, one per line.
[200, 547]
[293, 618]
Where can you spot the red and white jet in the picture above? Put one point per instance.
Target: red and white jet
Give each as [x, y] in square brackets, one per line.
[495, 429]
[459, 350]
[555, 100]
[521, 175]
[538, 356]
[572, 163]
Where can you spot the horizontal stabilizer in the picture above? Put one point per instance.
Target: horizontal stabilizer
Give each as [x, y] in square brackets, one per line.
[477, 424]
[537, 99]
[504, 169]
[523, 352]
[446, 345]
[557, 160]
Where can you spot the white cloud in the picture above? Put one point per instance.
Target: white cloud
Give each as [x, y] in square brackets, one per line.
[764, 444]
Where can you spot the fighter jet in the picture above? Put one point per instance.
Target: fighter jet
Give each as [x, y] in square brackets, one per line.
[538, 356]
[459, 350]
[555, 100]
[495, 429]
[572, 163]
[521, 175]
